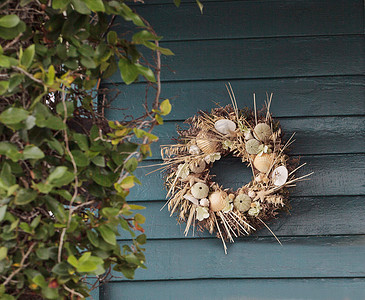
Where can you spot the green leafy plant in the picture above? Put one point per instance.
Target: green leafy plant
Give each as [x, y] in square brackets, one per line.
[65, 169]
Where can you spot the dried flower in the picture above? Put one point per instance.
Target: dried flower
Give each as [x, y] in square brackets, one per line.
[202, 213]
[255, 210]
[211, 158]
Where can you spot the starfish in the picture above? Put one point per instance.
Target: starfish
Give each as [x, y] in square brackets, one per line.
[193, 178]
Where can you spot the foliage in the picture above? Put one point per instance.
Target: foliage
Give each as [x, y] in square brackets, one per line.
[65, 169]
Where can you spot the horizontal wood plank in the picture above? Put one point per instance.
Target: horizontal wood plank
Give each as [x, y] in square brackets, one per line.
[255, 258]
[333, 175]
[247, 19]
[329, 135]
[308, 216]
[263, 58]
[292, 97]
[244, 289]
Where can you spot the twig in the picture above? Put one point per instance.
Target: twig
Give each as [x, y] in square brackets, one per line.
[28, 74]
[73, 292]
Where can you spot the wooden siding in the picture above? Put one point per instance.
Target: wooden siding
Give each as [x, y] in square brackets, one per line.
[310, 54]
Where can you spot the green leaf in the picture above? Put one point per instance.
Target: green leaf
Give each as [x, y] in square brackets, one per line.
[95, 5]
[28, 56]
[3, 252]
[39, 280]
[60, 4]
[107, 234]
[25, 196]
[131, 164]
[200, 5]
[128, 71]
[7, 62]
[43, 188]
[112, 37]
[80, 158]
[81, 7]
[7, 179]
[82, 141]
[146, 72]
[129, 15]
[136, 207]
[32, 152]
[60, 108]
[13, 115]
[177, 3]
[56, 145]
[144, 35]
[127, 182]
[57, 174]
[141, 239]
[93, 238]
[159, 119]
[165, 107]
[9, 21]
[51, 75]
[139, 218]
[62, 269]
[88, 62]
[99, 161]
[3, 212]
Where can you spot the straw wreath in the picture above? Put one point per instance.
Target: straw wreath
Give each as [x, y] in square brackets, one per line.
[250, 135]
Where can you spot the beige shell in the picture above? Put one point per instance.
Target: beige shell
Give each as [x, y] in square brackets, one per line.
[263, 162]
[206, 144]
[218, 200]
[225, 126]
[200, 190]
[242, 202]
[262, 131]
[197, 166]
[252, 146]
[204, 202]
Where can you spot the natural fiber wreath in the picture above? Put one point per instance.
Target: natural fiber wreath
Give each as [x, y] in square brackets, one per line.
[253, 137]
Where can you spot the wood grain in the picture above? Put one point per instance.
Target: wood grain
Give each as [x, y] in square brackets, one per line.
[334, 175]
[244, 289]
[299, 257]
[292, 97]
[247, 19]
[308, 216]
[263, 58]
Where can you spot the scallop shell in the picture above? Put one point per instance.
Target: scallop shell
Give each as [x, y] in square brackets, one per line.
[200, 190]
[197, 166]
[252, 146]
[263, 162]
[206, 144]
[225, 126]
[262, 131]
[242, 202]
[218, 200]
[279, 176]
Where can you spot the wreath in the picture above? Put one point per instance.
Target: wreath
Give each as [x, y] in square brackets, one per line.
[253, 137]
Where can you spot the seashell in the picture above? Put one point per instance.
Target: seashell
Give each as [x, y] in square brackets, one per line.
[263, 162]
[197, 166]
[200, 190]
[194, 149]
[231, 197]
[225, 126]
[206, 144]
[251, 194]
[204, 202]
[262, 131]
[191, 198]
[248, 135]
[252, 146]
[279, 176]
[218, 200]
[242, 202]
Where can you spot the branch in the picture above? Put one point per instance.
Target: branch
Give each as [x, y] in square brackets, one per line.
[28, 74]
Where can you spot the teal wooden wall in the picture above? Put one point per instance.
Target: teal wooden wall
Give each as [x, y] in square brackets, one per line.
[310, 54]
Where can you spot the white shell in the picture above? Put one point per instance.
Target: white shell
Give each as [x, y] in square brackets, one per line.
[242, 202]
[225, 126]
[200, 190]
[194, 149]
[279, 176]
[251, 194]
[263, 162]
[191, 198]
[204, 202]
[218, 200]
[197, 166]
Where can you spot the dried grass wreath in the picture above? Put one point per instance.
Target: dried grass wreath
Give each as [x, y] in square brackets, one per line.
[250, 135]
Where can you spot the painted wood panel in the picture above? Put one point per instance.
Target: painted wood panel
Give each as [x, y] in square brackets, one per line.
[263, 58]
[239, 289]
[333, 175]
[308, 216]
[299, 257]
[293, 97]
[247, 19]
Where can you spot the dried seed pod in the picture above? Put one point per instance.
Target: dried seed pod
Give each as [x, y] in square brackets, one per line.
[242, 202]
[200, 190]
[194, 150]
[225, 126]
[252, 146]
[263, 162]
[204, 202]
[218, 200]
[262, 131]
[197, 166]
